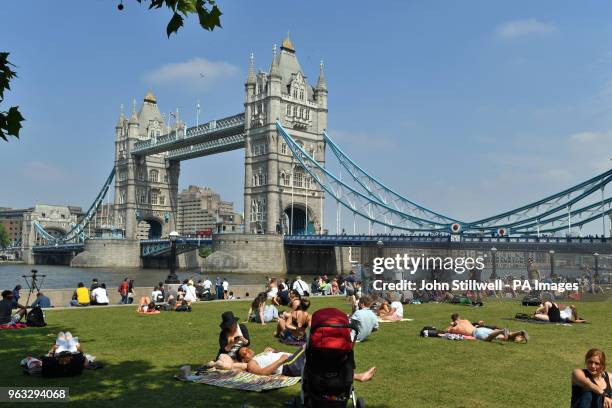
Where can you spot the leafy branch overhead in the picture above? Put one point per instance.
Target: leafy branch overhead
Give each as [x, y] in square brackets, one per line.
[207, 11]
[10, 121]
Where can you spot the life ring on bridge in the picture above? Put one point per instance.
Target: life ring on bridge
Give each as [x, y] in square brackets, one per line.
[455, 228]
[502, 232]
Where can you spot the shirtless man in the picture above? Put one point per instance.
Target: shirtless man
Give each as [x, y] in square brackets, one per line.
[274, 362]
[464, 327]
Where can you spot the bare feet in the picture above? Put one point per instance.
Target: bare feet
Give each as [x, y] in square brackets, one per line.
[367, 376]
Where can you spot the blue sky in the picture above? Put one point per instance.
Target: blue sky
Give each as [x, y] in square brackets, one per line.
[469, 108]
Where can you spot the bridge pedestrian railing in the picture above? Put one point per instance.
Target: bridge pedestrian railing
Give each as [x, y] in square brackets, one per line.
[197, 134]
[159, 247]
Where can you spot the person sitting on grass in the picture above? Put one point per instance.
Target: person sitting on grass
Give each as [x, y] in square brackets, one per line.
[65, 344]
[146, 306]
[80, 296]
[6, 309]
[294, 303]
[591, 385]
[232, 337]
[259, 312]
[465, 328]
[393, 311]
[297, 323]
[272, 362]
[549, 311]
[363, 320]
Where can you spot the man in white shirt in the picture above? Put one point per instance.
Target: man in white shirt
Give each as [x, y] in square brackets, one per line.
[207, 285]
[157, 295]
[300, 286]
[99, 295]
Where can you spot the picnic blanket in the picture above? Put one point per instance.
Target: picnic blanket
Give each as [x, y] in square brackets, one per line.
[393, 321]
[240, 380]
[291, 342]
[534, 321]
[13, 326]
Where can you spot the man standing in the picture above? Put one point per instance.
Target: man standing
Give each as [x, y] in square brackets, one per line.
[123, 291]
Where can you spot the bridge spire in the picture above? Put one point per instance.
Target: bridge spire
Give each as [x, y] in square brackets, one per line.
[121, 117]
[321, 84]
[251, 78]
[274, 71]
[133, 118]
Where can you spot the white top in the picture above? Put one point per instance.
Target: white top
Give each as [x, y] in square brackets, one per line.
[207, 284]
[155, 294]
[272, 293]
[65, 345]
[269, 358]
[190, 294]
[225, 285]
[300, 286]
[100, 295]
[399, 309]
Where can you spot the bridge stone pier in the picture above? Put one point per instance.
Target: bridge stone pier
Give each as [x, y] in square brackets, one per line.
[56, 219]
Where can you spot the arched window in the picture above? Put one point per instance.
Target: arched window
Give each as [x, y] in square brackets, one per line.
[301, 112]
[288, 110]
[301, 94]
[154, 176]
[307, 113]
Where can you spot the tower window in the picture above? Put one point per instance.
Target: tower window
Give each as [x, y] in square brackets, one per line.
[283, 148]
[301, 94]
[288, 110]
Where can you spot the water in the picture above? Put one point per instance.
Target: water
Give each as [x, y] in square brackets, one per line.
[58, 277]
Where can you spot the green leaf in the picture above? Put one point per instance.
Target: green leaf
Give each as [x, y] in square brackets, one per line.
[187, 6]
[175, 23]
[13, 121]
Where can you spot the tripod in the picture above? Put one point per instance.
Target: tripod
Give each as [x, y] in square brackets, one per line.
[33, 284]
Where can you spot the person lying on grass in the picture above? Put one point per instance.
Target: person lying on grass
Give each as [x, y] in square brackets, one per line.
[146, 306]
[549, 311]
[464, 327]
[591, 385]
[272, 361]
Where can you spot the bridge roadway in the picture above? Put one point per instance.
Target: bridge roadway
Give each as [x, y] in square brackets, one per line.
[209, 138]
[161, 247]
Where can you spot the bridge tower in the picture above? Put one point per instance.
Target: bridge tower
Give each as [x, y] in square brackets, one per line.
[278, 193]
[146, 188]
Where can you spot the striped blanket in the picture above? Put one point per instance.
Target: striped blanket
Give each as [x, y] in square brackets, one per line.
[243, 380]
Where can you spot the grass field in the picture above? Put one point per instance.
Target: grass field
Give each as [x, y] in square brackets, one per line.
[142, 353]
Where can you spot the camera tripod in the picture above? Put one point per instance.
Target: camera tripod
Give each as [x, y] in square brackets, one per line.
[33, 284]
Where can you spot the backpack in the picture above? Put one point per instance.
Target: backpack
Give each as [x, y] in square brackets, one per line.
[522, 316]
[63, 365]
[36, 317]
[430, 331]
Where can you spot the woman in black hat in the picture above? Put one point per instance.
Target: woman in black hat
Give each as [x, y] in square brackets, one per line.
[232, 336]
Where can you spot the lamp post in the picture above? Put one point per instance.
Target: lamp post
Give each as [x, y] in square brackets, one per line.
[493, 263]
[551, 254]
[596, 277]
[172, 278]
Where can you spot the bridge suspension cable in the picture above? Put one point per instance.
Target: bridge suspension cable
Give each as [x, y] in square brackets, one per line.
[77, 231]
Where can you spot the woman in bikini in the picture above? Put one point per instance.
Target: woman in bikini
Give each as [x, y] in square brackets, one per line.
[294, 304]
[297, 323]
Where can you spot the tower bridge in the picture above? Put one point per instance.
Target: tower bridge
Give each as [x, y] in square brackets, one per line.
[282, 130]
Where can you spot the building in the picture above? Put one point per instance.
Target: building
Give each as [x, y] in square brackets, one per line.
[201, 209]
[12, 220]
[278, 193]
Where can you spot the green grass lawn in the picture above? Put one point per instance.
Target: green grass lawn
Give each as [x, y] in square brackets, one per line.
[142, 353]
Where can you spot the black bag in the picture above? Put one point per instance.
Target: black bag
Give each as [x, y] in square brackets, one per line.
[65, 364]
[36, 318]
[430, 331]
[522, 316]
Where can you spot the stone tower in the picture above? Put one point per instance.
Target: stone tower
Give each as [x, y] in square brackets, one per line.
[146, 188]
[278, 193]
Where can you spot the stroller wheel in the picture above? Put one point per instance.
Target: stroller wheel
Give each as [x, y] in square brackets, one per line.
[360, 402]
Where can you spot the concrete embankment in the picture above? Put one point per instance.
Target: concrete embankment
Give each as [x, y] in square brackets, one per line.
[62, 297]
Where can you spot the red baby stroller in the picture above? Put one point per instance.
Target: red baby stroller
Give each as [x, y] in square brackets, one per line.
[327, 379]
